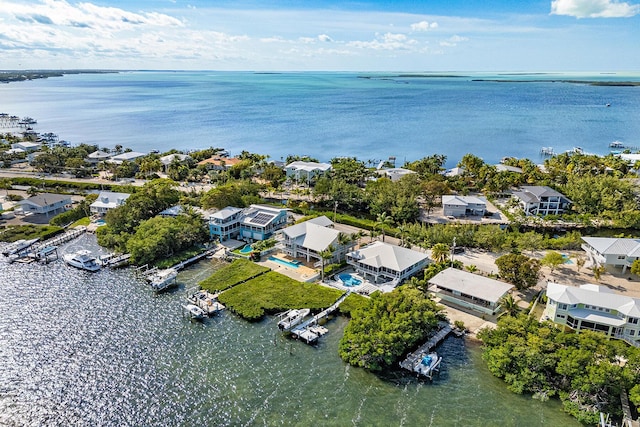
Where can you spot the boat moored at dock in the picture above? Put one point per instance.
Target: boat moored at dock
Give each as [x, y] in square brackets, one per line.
[83, 260]
[161, 280]
[194, 312]
[428, 365]
[205, 300]
[289, 319]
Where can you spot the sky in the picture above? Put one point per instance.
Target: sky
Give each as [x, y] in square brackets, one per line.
[322, 35]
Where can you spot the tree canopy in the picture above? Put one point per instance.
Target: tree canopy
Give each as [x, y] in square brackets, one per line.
[519, 270]
[392, 323]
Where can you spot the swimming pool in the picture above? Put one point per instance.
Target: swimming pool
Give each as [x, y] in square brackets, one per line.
[246, 250]
[292, 264]
[566, 258]
[348, 280]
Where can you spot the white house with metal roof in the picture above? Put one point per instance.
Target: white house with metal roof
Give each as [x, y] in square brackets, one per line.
[129, 156]
[225, 223]
[382, 262]
[306, 171]
[108, 200]
[616, 252]
[469, 290]
[541, 200]
[97, 157]
[454, 205]
[594, 308]
[308, 239]
[395, 174]
[46, 203]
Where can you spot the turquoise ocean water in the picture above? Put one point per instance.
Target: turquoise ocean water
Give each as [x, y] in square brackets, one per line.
[324, 115]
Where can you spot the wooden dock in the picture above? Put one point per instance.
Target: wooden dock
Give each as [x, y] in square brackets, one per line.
[309, 331]
[205, 300]
[193, 259]
[415, 357]
[61, 238]
[115, 260]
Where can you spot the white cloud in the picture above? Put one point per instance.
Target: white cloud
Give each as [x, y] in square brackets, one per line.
[424, 26]
[594, 8]
[453, 41]
[324, 38]
[387, 41]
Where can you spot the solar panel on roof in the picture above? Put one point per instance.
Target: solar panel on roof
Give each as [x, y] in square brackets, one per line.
[262, 218]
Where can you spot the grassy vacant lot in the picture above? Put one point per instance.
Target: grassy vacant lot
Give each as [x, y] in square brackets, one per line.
[236, 272]
[273, 292]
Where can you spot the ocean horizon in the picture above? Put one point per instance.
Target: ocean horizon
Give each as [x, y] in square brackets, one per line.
[368, 115]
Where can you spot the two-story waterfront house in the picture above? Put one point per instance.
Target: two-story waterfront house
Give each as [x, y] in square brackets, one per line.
[308, 239]
[306, 171]
[106, 201]
[257, 222]
[594, 308]
[46, 203]
[541, 200]
[458, 206]
[382, 262]
[611, 251]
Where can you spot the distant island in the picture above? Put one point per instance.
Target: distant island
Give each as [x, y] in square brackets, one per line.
[10, 76]
[584, 82]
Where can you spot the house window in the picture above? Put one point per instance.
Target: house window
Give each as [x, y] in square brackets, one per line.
[622, 257]
[632, 333]
[561, 316]
[562, 306]
[633, 320]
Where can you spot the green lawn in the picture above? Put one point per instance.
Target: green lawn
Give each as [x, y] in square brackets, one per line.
[11, 233]
[236, 272]
[273, 292]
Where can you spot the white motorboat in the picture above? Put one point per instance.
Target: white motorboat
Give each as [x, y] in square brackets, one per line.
[289, 319]
[207, 301]
[194, 311]
[162, 279]
[428, 364]
[83, 260]
[18, 246]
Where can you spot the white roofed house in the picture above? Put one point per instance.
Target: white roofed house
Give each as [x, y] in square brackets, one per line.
[611, 251]
[383, 263]
[459, 206]
[306, 171]
[108, 200]
[541, 200]
[308, 239]
[225, 223]
[594, 308]
[97, 157]
[129, 156]
[46, 203]
[395, 174]
[175, 157]
[479, 293]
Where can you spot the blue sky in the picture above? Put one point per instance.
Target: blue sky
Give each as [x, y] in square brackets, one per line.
[438, 35]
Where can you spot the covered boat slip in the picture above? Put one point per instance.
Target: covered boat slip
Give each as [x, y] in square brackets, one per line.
[469, 290]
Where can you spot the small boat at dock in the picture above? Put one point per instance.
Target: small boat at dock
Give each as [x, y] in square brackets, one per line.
[428, 365]
[206, 301]
[82, 260]
[162, 279]
[194, 312]
[616, 144]
[18, 246]
[289, 319]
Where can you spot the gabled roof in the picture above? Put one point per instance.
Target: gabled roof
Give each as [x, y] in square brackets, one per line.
[380, 254]
[45, 199]
[534, 193]
[226, 212]
[99, 155]
[614, 246]
[471, 284]
[128, 156]
[219, 160]
[313, 234]
[462, 200]
[308, 166]
[109, 199]
[168, 159]
[595, 295]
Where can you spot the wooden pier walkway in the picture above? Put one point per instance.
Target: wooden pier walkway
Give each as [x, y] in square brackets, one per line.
[310, 331]
[61, 238]
[412, 358]
[193, 259]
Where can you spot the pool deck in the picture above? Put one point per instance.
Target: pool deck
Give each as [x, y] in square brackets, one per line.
[301, 273]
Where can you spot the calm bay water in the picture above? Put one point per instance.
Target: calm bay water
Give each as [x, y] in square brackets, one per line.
[332, 114]
[80, 349]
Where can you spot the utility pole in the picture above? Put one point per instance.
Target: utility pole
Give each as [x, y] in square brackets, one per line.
[453, 250]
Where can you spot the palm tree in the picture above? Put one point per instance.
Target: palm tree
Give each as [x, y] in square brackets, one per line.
[440, 252]
[325, 255]
[383, 220]
[510, 306]
[598, 270]
[471, 268]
